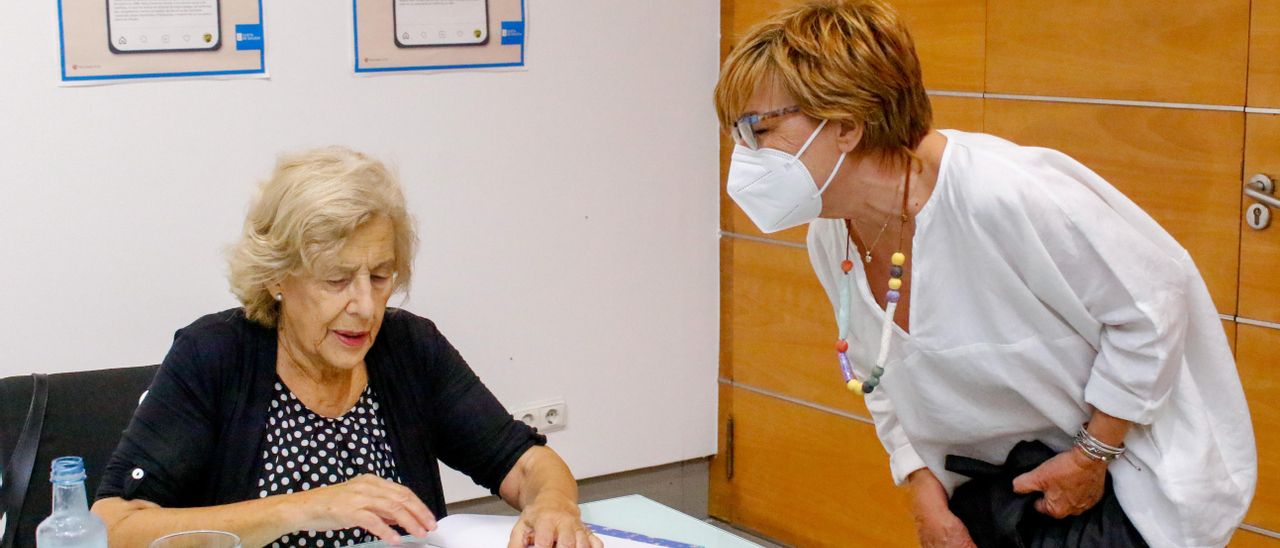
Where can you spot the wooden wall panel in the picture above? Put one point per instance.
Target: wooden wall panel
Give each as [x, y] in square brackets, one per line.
[784, 330]
[726, 308]
[1181, 166]
[1184, 51]
[1260, 249]
[1247, 539]
[963, 113]
[720, 501]
[749, 13]
[949, 35]
[1230, 327]
[1257, 358]
[810, 478]
[1264, 54]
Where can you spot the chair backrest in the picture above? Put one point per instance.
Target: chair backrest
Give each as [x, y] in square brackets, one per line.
[85, 415]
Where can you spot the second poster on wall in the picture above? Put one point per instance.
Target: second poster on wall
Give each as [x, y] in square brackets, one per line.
[423, 35]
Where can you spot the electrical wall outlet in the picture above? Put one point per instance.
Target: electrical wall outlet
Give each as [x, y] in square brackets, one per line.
[549, 416]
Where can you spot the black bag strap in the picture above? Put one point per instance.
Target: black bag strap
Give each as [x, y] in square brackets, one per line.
[22, 464]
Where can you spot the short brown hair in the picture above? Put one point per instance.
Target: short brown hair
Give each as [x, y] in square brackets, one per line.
[849, 61]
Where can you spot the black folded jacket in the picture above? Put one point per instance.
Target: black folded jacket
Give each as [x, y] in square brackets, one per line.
[998, 518]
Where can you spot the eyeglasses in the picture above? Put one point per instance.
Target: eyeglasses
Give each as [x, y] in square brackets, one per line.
[744, 131]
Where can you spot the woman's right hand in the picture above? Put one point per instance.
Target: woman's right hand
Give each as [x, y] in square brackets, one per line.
[936, 526]
[368, 502]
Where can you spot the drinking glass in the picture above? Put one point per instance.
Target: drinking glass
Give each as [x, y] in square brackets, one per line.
[198, 539]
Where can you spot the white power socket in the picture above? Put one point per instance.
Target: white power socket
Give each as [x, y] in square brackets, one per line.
[549, 416]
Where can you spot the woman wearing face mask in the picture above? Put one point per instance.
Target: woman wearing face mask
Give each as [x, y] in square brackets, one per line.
[986, 293]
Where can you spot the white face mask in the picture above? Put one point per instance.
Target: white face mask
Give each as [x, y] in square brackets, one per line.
[774, 188]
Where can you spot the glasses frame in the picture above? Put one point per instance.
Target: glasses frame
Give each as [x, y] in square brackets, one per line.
[744, 131]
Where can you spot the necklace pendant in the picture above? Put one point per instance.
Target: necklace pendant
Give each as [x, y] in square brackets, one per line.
[867, 258]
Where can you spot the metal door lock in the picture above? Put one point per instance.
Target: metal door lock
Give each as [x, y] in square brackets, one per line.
[1260, 187]
[1258, 216]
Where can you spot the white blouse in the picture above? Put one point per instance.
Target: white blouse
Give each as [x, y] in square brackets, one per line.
[1038, 292]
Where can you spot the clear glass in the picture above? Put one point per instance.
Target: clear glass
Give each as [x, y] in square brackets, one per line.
[71, 525]
[198, 539]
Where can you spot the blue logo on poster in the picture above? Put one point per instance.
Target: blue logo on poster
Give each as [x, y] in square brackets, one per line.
[512, 33]
[248, 37]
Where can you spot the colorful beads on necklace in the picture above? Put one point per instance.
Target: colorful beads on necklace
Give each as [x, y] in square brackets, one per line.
[842, 320]
[868, 385]
[886, 331]
[898, 261]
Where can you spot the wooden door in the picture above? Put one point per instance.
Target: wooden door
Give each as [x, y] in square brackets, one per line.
[1258, 330]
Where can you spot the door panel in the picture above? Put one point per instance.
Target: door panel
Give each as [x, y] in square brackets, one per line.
[1181, 166]
[1256, 351]
[1260, 249]
[1264, 54]
[1183, 51]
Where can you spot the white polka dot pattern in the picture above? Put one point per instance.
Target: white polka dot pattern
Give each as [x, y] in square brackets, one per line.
[305, 450]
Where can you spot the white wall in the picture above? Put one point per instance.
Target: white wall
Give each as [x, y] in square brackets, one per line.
[568, 213]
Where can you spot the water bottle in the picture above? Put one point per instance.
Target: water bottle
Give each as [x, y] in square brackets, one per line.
[71, 525]
[4, 516]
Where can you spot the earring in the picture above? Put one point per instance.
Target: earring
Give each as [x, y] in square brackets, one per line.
[279, 297]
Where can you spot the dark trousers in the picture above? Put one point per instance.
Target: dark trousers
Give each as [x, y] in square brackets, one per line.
[999, 518]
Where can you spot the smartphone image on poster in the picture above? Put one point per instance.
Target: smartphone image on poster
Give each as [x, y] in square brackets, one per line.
[441, 22]
[150, 26]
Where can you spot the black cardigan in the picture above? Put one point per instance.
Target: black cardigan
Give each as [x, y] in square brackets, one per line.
[196, 438]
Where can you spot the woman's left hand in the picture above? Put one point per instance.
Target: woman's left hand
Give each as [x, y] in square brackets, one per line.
[1071, 482]
[552, 520]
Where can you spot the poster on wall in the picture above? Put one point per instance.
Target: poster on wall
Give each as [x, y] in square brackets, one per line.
[105, 41]
[426, 35]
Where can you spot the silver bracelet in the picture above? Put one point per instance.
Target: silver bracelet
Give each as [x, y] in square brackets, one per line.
[1094, 448]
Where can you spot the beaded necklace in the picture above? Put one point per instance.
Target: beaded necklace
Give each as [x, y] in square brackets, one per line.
[868, 385]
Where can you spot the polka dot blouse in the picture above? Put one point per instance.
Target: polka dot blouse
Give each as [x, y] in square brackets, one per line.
[305, 450]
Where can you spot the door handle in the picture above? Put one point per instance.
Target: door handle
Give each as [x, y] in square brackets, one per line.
[1260, 187]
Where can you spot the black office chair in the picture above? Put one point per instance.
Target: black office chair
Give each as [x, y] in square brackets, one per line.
[83, 415]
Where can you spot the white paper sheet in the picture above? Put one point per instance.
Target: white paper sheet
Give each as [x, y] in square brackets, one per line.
[476, 531]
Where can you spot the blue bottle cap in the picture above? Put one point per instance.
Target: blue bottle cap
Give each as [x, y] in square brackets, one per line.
[67, 470]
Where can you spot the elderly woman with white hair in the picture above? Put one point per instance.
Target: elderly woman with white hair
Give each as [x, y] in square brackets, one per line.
[314, 414]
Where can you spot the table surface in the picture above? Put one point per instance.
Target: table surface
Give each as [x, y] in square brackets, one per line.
[638, 514]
